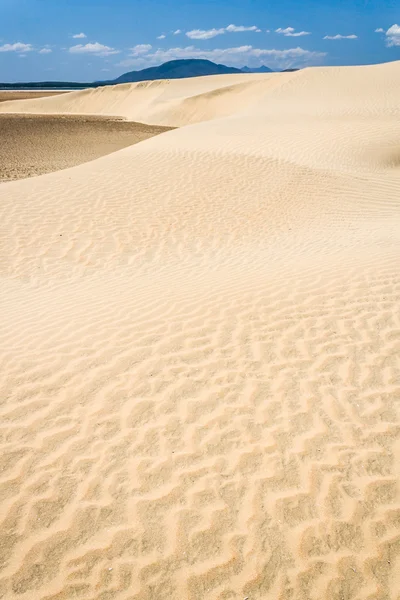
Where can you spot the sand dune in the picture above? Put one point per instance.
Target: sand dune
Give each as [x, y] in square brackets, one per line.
[200, 347]
[172, 102]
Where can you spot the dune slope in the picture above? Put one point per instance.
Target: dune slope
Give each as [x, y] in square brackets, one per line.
[170, 102]
[200, 351]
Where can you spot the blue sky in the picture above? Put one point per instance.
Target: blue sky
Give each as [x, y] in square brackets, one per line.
[86, 40]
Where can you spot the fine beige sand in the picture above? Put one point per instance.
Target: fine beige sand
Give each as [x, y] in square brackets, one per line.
[35, 144]
[7, 95]
[200, 347]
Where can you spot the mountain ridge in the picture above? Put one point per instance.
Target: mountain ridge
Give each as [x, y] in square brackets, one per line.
[176, 69]
[262, 69]
[173, 69]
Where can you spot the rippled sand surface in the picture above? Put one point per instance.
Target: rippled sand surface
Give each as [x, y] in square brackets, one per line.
[200, 346]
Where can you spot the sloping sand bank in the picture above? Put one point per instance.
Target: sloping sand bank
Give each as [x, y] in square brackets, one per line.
[200, 350]
[171, 102]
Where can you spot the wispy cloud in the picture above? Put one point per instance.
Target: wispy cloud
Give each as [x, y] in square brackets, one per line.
[393, 35]
[161, 37]
[141, 49]
[240, 28]
[379, 30]
[338, 36]
[79, 36]
[280, 59]
[45, 51]
[291, 32]
[177, 31]
[206, 34]
[95, 49]
[17, 47]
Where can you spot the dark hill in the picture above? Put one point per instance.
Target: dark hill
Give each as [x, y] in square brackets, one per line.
[262, 69]
[173, 69]
[176, 69]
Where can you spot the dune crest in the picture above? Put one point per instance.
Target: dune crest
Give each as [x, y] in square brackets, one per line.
[200, 346]
[160, 102]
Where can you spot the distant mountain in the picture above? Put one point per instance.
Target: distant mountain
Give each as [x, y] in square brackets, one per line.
[173, 69]
[176, 69]
[262, 69]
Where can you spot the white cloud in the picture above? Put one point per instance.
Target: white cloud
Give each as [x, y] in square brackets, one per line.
[239, 28]
[45, 51]
[291, 32]
[338, 36]
[161, 37]
[204, 34]
[280, 59]
[177, 31]
[141, 49]
[79, 36]
[96, 49]
[393, 35]
[17, 47]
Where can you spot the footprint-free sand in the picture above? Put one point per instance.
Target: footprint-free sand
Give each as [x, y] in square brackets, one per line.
[200, 347]
[36, 144]
[8, 95]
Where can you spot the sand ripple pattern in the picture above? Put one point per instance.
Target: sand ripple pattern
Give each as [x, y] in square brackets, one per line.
[200, 352]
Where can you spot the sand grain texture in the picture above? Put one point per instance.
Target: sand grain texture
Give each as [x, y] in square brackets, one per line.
[36, 144]
[10, 95]
[200, 349]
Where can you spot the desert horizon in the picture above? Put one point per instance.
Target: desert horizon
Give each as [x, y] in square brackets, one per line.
[200, 341]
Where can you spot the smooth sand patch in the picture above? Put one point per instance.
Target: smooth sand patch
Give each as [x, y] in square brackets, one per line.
[8, 95]
[35, 144]
[200, 344]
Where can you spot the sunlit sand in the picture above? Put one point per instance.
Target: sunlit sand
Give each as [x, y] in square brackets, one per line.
[200, 344]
